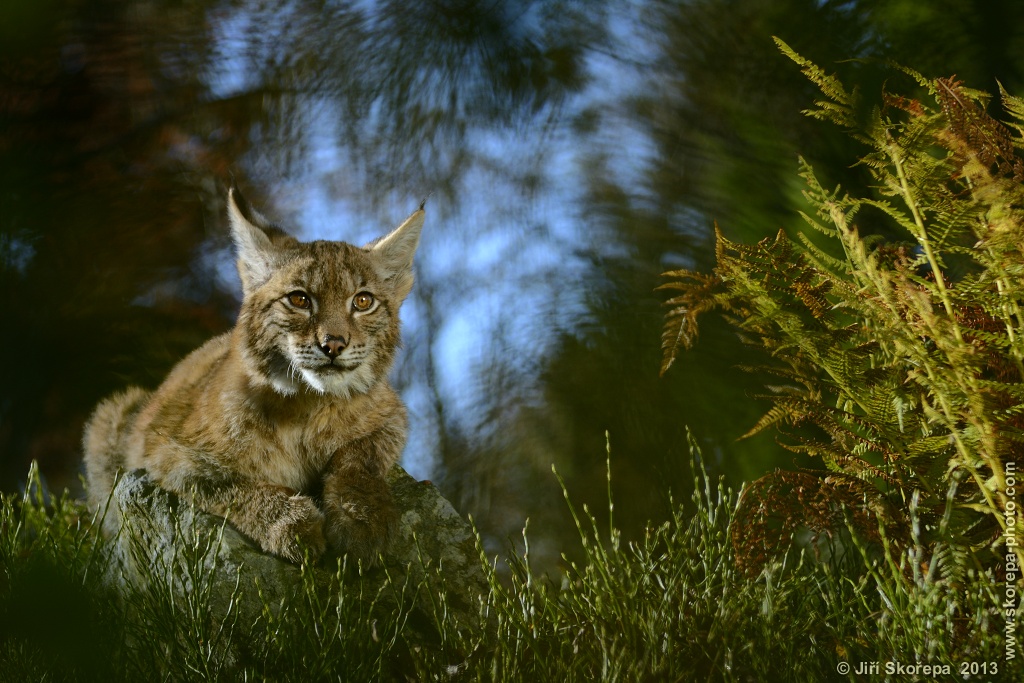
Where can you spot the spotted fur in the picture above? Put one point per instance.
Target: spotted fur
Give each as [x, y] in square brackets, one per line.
[286, 424]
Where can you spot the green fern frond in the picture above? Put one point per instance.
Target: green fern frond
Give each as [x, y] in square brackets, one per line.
[843, 102]
[922, 80]
[903, 360]
[778, 415]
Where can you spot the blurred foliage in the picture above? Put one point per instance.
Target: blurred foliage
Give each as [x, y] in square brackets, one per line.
[900, 364]
[96, 211]
[722, 113]
[120, 121]
[116, 140]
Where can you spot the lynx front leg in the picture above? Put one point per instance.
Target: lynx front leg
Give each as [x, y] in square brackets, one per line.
[361, 516]
[280, 520]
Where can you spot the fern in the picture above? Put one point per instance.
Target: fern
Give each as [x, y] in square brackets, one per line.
[903, 361]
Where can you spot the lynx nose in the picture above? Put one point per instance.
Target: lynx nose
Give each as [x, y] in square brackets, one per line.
[333, 345]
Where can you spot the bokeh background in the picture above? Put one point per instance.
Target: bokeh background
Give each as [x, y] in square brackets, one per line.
[571, 152]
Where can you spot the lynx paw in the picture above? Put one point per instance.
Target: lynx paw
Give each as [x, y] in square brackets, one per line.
[363, 531]
[299, 530]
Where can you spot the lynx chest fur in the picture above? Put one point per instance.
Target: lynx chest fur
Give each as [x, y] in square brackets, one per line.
[287, 423]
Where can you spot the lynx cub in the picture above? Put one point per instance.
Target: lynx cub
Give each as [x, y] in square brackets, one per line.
[286, 425]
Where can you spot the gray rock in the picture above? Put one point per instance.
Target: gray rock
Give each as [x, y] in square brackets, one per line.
[198, 556]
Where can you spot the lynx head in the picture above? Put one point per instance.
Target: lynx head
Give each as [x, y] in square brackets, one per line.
[319, 316]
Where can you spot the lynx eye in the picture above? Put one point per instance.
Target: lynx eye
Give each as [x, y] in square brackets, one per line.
[362, 301]
[299, 300]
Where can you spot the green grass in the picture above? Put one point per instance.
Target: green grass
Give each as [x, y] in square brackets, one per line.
[672, 606]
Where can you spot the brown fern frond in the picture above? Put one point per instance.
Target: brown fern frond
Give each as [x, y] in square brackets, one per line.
[697, 296]
[976, 133]
[774, 508]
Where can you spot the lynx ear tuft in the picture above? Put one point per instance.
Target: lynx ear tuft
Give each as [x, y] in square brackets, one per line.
[394, 252]
[257, 256]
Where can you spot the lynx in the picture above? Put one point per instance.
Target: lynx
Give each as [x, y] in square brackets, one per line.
[285, 425]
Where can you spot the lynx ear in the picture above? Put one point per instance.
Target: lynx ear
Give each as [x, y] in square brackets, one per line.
[257, 256]
[393, 253]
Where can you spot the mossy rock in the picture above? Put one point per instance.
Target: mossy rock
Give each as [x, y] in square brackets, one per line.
[168, 548]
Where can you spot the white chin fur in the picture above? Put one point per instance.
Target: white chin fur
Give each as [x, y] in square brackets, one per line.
[285, 386]
[344, 384]
[314, 381]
